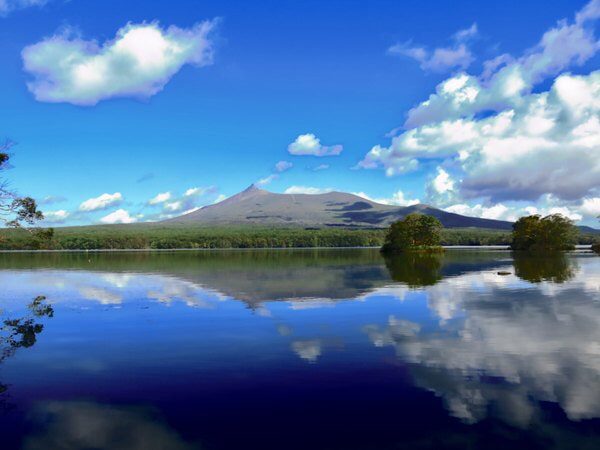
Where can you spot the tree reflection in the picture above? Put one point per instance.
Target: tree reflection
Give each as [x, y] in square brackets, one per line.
[415, 269]
[22, 332]
[535, 268]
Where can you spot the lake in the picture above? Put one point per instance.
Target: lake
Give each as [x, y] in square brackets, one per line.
[299, 349]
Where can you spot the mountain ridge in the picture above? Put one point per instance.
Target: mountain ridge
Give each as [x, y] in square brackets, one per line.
[257, 206]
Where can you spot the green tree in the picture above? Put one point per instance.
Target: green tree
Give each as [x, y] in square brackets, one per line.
[551, 233]
[414, 232]
[15, 211]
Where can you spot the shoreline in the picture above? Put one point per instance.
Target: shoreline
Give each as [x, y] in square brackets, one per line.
[578, 248]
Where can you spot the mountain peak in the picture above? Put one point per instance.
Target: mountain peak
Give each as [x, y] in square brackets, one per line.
[252, 188]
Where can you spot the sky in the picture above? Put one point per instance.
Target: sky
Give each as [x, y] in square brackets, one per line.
[136, 111]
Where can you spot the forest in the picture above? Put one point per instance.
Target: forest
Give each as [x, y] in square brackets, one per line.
[156, 236]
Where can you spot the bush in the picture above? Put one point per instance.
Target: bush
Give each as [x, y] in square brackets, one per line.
[414, 232]
[596, 247]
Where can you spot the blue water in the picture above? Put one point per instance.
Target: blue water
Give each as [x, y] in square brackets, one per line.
[327, 349]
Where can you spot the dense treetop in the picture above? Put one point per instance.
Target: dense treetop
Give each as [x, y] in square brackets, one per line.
[551, 233]
[414, 232]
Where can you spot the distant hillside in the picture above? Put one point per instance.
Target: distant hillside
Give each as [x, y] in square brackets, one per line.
[334, 209]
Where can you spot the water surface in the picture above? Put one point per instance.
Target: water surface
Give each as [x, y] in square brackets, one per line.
[311, 349]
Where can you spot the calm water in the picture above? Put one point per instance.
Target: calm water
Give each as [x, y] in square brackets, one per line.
[318, 349]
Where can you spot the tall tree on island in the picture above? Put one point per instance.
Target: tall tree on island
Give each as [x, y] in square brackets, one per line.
[15, 211]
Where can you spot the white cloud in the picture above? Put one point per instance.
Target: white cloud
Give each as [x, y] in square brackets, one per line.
[59, 216]
[102, 202]
[591, 207]
[266, 180]
[441, 59]
[174, 206]
[119, 216]
[282, 166]
[306, 190]
[505, 79]
[497, 212]
[138, 63]
[398, 199]
[309, 144]
[321, 167]
[547, 144]
[199, 191]
[160, 198]
[8, 6]
[442, 182]
[513, 210]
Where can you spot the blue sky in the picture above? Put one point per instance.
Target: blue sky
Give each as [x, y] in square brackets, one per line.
[111, 106]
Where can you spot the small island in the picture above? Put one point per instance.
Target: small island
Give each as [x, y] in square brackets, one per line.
[415, 233]
[551, 233]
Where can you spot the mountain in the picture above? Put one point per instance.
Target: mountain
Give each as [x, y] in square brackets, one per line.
[334, 209]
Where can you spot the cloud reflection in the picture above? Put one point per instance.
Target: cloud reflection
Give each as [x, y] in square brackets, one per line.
[505, 345]
[78, 425]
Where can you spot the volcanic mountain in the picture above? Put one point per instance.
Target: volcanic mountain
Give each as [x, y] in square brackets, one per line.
[255, 206]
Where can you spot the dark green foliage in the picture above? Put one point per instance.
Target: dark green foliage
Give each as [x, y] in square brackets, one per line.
[596, 247]
[535, 267]
[415, 269]
[415, 231]
[156, 236]
[551, 233]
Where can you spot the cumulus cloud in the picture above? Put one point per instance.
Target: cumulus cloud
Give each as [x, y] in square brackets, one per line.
[306, 190]
[441, 59]
[102, 202]
[119, 216]
[513, 210]
[282, 166]
[310, 145]
[59, 216]
[503, 141]
[591, 207]
[398, 198]
[192, 199]
[160, 198]
[138, 62]
[8, 6]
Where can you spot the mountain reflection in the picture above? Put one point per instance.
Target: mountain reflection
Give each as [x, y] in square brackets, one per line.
[503, 341]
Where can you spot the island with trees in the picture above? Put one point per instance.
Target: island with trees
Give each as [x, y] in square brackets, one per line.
[551, 233]
[414, 233]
